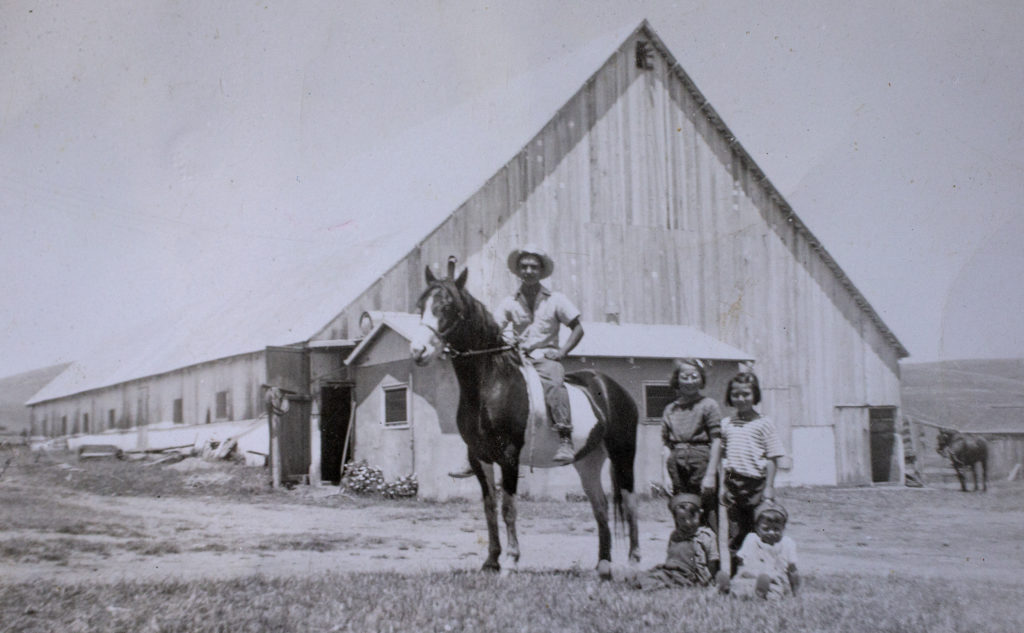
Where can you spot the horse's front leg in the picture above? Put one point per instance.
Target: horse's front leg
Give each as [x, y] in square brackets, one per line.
[961, 477]
[509, 485]
[485, 475]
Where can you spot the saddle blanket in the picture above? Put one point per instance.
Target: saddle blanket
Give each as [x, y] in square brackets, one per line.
[541, 440]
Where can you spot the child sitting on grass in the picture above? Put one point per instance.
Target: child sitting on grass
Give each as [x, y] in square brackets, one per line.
[692, 558]
[766, 560]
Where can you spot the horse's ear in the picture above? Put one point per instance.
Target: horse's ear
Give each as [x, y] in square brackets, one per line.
[430, 276]
[461, 281]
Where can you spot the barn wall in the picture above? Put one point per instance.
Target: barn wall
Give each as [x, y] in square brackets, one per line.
[655, 216]
[151, 400]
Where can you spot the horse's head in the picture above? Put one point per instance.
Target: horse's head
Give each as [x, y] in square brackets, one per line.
[442, 308]
[943, 440]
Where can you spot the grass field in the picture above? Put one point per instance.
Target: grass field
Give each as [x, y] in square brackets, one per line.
[883, 559]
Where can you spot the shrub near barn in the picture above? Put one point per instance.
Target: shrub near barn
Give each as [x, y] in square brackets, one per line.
[363, 479]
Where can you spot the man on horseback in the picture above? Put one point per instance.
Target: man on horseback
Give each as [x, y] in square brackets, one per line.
[536, 314]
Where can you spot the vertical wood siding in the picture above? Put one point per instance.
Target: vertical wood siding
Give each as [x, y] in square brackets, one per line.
[197, 386]
[651, 214]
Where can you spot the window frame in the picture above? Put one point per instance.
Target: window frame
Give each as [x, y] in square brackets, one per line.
[218, 416]
[656, 418]
[395, 424]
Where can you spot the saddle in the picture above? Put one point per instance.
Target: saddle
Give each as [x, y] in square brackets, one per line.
[541, 440]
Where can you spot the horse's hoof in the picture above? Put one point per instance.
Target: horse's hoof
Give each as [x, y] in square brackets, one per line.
[634, 558]
[491, 567]
[604, 570]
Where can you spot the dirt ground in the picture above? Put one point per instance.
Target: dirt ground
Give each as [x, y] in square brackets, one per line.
[934, 531]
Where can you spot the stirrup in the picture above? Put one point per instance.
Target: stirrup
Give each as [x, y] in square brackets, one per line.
[462, 474]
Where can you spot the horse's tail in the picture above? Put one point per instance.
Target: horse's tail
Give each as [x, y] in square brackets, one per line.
[621, 419]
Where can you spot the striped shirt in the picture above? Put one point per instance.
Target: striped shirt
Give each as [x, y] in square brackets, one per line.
[749, 445]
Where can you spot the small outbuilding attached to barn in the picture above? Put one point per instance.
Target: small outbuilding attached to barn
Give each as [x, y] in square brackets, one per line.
[405, 422]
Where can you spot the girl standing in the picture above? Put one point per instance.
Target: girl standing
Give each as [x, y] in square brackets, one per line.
[752, 452]
[690, 429]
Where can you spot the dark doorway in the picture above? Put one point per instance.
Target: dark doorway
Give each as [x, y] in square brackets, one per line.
[882, 422]
[335, 415]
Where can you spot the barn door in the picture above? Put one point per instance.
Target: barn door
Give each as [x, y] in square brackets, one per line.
[853, 458]
[882, 423]
[288, 369]
[336, 439]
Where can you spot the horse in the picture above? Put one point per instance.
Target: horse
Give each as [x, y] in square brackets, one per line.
[494, 421]
[965, 451]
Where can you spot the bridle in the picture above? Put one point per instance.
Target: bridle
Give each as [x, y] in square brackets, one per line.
[442, 335]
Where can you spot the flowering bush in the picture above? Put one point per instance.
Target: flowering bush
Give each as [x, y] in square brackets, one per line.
[363, 479]
[402, 487]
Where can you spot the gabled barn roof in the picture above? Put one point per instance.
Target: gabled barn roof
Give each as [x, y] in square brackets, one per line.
[413, 170]
[431, 168]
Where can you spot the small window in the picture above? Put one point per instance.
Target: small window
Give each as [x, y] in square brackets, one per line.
[111, 419]
[656, 398]
[222, 412]
[396, 406]
[178, 414]
[63, 425]
[85, 422]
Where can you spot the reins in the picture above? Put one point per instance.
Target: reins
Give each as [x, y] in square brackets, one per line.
[454, 353]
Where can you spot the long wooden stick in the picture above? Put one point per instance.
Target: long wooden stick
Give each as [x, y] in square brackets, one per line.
[724, 556]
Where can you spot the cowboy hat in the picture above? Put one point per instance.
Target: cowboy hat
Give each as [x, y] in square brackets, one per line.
[546, 263]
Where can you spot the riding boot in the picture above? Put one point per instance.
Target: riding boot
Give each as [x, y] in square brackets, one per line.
[565, 453]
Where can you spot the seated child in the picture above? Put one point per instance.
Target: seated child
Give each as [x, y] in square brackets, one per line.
[692, 558]
[766, 560]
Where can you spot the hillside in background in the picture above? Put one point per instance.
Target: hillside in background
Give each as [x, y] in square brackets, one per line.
[970, 395]
[15, 390]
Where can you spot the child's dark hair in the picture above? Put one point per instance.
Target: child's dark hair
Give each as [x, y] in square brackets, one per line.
[680, 364]
[743, 378]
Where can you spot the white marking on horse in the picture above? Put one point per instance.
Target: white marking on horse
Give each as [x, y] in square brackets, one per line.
[541, 441]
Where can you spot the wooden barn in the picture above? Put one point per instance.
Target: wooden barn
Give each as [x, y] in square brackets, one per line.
[665, 234]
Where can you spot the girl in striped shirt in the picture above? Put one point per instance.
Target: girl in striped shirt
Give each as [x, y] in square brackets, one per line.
[752, 450]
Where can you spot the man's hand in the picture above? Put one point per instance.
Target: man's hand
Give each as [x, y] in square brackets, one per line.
[553, 354]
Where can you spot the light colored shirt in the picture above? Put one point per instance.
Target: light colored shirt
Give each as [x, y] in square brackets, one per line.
[749, 445]
[537, 326]
[761, 558]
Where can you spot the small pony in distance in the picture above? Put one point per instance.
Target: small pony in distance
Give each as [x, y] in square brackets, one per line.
[965, 451]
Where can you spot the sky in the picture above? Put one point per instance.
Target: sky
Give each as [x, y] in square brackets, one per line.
[156, 156]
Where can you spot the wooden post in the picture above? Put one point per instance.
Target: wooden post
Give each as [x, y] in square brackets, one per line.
[315, 447]
[724, 556]
[348, 434]
[276, 405]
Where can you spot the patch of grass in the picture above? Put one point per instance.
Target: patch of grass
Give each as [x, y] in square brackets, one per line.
[152, 548]
[565, 601]
[57, 550]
